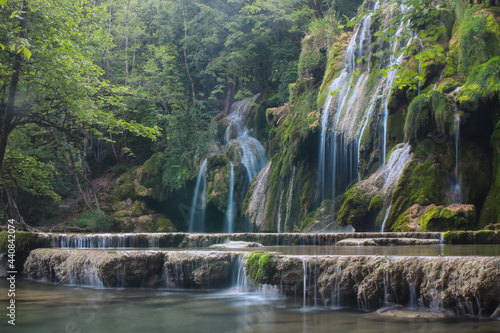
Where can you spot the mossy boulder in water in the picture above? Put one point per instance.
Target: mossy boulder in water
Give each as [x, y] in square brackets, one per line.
[260, 267]
[436, 218]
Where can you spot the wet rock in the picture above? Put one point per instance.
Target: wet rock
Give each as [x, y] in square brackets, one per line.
[435, 218]
[401, 314]
[386, 241]
[235, 245]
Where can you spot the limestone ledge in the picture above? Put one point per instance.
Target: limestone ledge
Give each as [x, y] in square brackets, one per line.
[469, 285]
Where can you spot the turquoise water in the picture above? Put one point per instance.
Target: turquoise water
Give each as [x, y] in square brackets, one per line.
[56, 308]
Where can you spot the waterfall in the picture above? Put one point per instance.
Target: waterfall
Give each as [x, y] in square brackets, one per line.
[253, 154]
[278, 229]
[304, 266]
[456, 188]
[229, 225]
[352, 106]
[396, 165]
[385, 217]
[457, 191]
[197, 215]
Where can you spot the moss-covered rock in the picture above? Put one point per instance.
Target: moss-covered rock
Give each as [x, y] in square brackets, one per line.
[482, 85]
[423, 183]
[22, 242]
[472, 237]
[427, 113]
[478, 39]
[490, 212]
[260, 267]
[436, 218]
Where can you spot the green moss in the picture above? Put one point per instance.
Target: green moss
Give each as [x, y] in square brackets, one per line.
[461, 237]
[418, 117]
[482, 84]
[478, 40]
[421, 183]
[448, 86]
[426, 113]
[447, 237]
[402, 224]
[24, 243]
[354, 209]
[376, 204]
[119, 214]
[164, 225]
[260, 267]
[307, 221]
[485, 236]
[439, 218]
[217, 160]
[94, 220]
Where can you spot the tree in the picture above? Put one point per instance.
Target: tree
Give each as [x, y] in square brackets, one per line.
[49, 81]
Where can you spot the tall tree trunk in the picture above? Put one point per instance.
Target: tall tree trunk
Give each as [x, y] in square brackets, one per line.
[7, 110]
[185, 56]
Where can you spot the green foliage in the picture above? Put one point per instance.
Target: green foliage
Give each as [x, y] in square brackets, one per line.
[94, 220]
[428, 112]
[260, 267]
[482, 84]
[425, 21]
[478, 39]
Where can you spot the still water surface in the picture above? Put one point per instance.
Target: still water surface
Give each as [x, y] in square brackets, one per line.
[56, 308]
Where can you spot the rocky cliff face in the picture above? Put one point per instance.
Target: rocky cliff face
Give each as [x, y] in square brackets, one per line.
[403, 114]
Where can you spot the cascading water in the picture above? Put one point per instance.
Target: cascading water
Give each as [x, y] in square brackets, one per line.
[278, 228]
[229, 223]
[352, 106]
[197, 214]
[253, 154]
[397, 162]
[455, 186]
[457, 191]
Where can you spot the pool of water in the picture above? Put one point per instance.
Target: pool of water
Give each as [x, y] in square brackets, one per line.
[400, 250]
[55, 308]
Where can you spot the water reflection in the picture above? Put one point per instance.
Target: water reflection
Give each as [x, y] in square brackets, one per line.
[56, 308]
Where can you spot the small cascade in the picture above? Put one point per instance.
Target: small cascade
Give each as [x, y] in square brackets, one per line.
[229, 223]
[396, 165]
[243, 283]
[278, 218]
[197, 214]
[385, 218]
[457, 191]
[288, 210]
[304, 296]
[336, 295]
